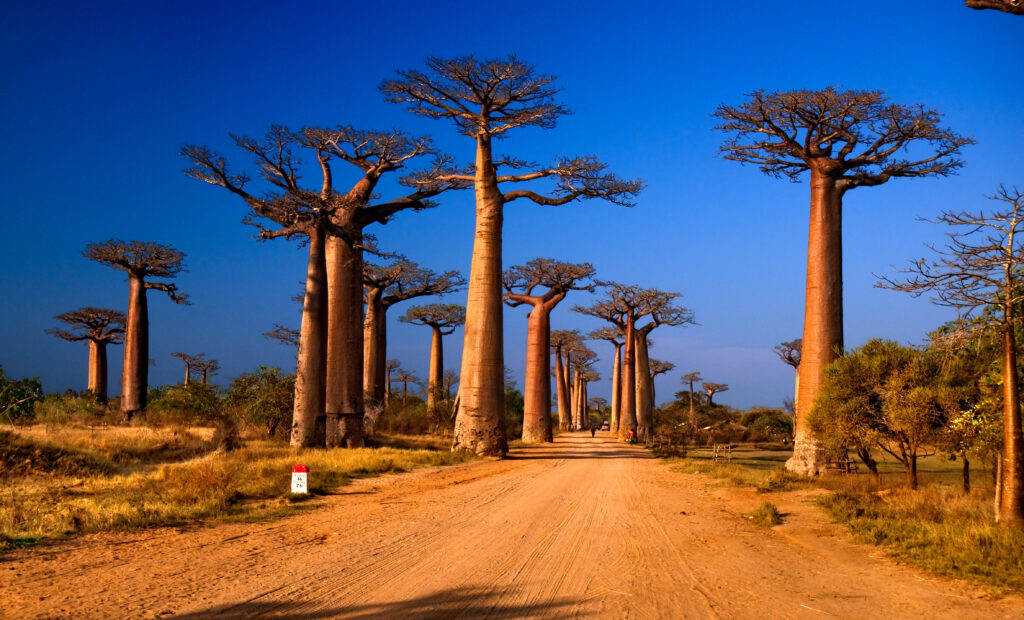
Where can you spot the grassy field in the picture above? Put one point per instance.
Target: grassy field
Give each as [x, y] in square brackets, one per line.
[937, 528]
[60, 482]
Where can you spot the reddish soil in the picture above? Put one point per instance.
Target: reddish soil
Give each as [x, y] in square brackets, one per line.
[583, 528]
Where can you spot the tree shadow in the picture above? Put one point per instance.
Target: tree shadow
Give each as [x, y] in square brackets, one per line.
[472, 602]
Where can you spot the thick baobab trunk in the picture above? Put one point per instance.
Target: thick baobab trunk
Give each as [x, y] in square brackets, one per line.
[627, 408]
[480, 423]
[135, 373]
[561, 378]
[435, 377]
[374, 348]
[98, 369]
[823, 313]
[584, 408]
[188, 376]
[616, 389]
[574, 397]
[344, 390]
[309, 418]
[537, 399]
[642, 378]
[1010, 499]
[203, 380]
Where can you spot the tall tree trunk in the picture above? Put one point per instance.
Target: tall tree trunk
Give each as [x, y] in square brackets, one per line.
[480, 423]
[98, 369]
[796, 388]
[693, 413]
[584, 408]
[564, 420]
[642, 370]
[575, 398]
[135, 373]
[344, 390]
[204, 377]
[966, 474]
[373, 354]
[912, 470]
[616, 389]
[1011, 498]
[627, 408]
[823, 312]
[188, 376]
[435, 376]
[309, 419]
[537, 397]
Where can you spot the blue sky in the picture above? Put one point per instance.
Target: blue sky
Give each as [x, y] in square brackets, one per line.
[100, 96]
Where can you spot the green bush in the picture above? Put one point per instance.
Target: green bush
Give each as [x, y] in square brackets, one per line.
[264, 399]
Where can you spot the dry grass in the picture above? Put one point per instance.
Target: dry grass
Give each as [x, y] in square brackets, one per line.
[766, 515]
[251, 483]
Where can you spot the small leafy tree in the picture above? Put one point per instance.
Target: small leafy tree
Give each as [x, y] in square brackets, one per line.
[264, 399]
[18, 397]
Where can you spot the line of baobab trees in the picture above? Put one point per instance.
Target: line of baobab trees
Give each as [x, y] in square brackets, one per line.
[844, 139]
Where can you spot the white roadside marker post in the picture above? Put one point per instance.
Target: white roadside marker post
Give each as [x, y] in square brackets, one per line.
[300, 483]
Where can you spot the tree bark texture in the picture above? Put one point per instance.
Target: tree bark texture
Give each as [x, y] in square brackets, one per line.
[436, 374]
[344, 390]
[374, 348]
[309, 416]
[644, 398]
[823, 312]
[564, 419]
[575, 400]
[135, 373]
[98, 369]
[1011, 497]
[480, 422]
[616, 389]
[627, 408]
[537, 397]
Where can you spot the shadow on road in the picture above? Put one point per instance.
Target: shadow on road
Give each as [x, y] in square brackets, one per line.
[472, 602]
[579, 446]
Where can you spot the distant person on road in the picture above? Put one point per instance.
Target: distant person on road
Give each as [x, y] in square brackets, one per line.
[631, 438]
[593, 430]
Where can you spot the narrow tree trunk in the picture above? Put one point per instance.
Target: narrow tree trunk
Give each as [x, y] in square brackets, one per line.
[204, 377]
[966, 474]
[309, 418]
[796, 388]
[188, 376]
[435, 376]
[135, 373]
[823, 313]
[711, 402]
[98, 369]
[616, 389]
[644, 399]
[627, 408]
[537, 397]
[564, 420]
[912, 471]
[870, 463]
[344, 391]
[373, 354]
[1011, 499]
[693, 413]
[584, 408]
[480, 423]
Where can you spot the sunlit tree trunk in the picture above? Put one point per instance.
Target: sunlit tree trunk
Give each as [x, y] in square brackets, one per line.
[309, 418]
[480, 423]
[537, 401]
[135, 373]
[642, 378]
[436, 375]
[574, 397]
[374, 348]
[823, 312]
[616, 389]
[1011, 497]
[561, 378]
[344, 389]
[627, 407]
[98, 369]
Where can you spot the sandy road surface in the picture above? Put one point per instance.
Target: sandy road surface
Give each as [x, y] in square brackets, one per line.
[584, 528]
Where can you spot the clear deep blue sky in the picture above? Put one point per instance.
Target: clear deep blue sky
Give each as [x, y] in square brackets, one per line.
[98, 98]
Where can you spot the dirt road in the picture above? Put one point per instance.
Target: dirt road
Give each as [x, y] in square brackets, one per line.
[584, 528]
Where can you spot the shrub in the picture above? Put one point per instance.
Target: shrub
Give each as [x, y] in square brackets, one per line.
[264, 399]
[766, 515]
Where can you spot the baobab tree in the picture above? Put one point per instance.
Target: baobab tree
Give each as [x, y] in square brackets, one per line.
[389, 367]
[329, 404]
[845, 139]
[658, 367]
[581, 360]
[691, 378]
[486, 99]
[443, 319]
[100, 327]
[789, 353]
[521, 283]
[405, 377]
[206, 368]
[141, 260]
[586, 378]
[1013, 7]
[982, 268]
[383, 287]
[614, 336]
[713, 388]
[190, 362]
[562, 341]
[624, 306]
